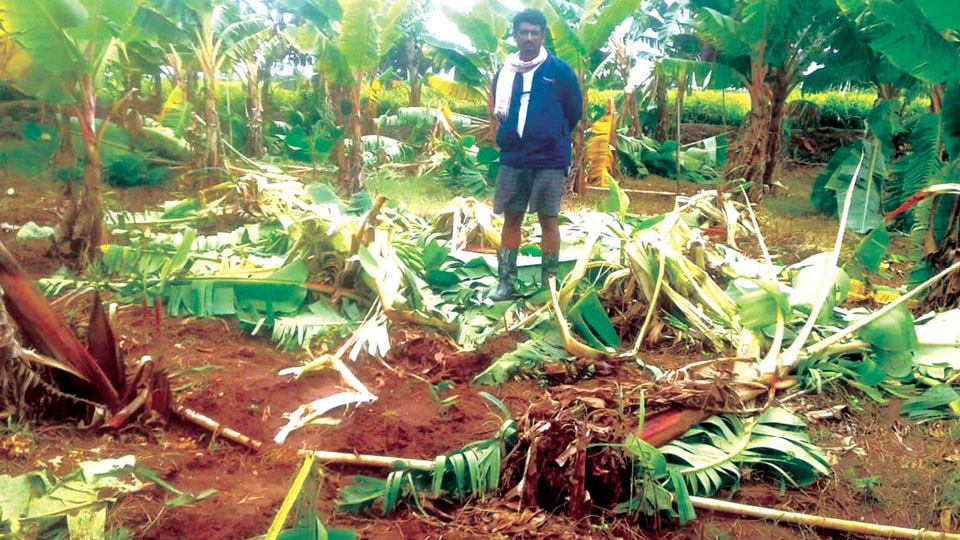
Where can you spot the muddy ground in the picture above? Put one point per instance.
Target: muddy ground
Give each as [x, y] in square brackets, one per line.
[886, 469]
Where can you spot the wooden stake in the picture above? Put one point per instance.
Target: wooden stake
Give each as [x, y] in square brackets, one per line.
[216, 427]
[366, 460]
[642, 191]
[856, 527]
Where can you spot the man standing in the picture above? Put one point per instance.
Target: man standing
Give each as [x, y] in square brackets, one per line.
[538, 101]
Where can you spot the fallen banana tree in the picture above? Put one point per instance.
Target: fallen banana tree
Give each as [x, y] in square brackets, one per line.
[64, 375]
[563, 459]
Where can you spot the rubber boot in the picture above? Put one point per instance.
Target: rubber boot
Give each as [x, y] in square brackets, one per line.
[548, 267]
[507, 273]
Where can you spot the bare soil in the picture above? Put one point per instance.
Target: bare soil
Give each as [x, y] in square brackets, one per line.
[886, 469]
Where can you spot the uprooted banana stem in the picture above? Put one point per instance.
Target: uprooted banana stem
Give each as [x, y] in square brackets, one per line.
[792, 354]
[824, 344]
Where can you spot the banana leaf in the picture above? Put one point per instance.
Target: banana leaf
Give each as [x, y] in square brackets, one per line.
[77, 502]
[865, 212]
[893, 338]
[712, 454]
[526, 357]
[251, 298]
[590, 320]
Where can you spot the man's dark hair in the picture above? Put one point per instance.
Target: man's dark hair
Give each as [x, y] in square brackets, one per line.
[530, 16]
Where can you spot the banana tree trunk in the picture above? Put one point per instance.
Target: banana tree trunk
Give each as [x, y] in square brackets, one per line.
[630, 115]
[212, 119]
[351, 174]
[662, 131]
[887, 91]
[936, 98]
[81, 229]
[750, 153]
[155, 103]
[577, 168]
[781, 87]
[65, 156]
[578, 173]
[413, 72]
[945, 294]
[681, 91]
[254, 111]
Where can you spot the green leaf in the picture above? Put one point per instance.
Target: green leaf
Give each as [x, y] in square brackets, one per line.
[487, 155]
[188, 499]
[759, 302]
[176, 262]
[685, 510]
[898, 30]
[951, 119]
[872, 249]
[713, 452]
[359, 40]
[617, 201]
[897, 364]
[358, 496]
[942, 15]
[895, 331]
[937, 402]
[807, 279]
[88, 522]
[527, 356]
[393, 491]
[647, 455]
[590, 319]
[439, 470]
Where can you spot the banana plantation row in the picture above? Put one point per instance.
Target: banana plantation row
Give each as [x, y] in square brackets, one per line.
[72, 53]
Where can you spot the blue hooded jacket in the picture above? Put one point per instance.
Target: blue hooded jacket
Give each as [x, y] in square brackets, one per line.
[555, 107]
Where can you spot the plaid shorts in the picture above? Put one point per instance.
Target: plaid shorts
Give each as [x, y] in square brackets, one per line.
[538, 190]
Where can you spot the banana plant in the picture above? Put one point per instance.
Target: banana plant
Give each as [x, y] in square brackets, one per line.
[407, 56]
[897, 30]
[473, 66]
[214, 38]
[58, 52]
[769, 43]
[349, 40]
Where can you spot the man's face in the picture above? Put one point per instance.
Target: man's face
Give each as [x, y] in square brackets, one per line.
[529, 38]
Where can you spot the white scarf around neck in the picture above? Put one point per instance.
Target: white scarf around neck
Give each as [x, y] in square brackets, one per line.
[511, 67]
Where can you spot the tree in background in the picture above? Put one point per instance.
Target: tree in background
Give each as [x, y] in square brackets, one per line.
[473, 67]
[348, 40]
[769, 43]
[58, 52]
[406, 58]
[897, 31]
